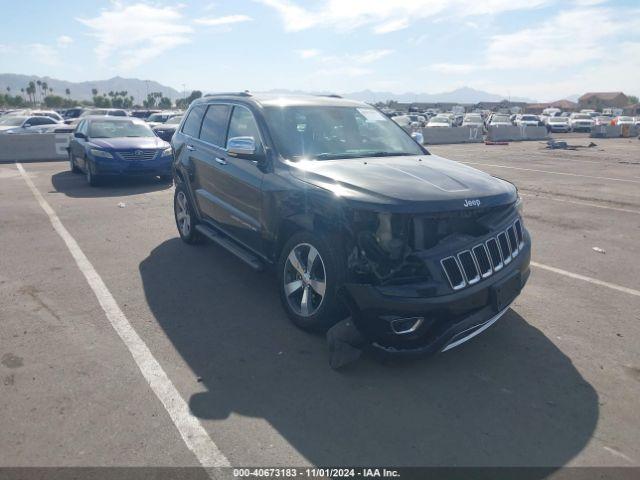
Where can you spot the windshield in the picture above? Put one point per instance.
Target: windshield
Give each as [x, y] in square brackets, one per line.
[582, 116]
[472, 118]
[331, 132]
[111, 129]
[12, 121]
[530, 117]
[174, 120]
[626, 119]
[439, 120]
[500, 118]
[558, 120]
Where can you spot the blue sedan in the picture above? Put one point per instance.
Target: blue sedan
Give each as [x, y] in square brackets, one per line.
[117, 146]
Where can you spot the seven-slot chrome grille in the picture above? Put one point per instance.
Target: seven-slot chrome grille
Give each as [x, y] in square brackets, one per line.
[138, 154]
[468, 267]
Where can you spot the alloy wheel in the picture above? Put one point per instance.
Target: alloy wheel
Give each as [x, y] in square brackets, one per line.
[183, 217]
[305, 279]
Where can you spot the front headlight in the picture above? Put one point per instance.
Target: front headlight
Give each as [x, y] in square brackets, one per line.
[167, 152]
[100, 153]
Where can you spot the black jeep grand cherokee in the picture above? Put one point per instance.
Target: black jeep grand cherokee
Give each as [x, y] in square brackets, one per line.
[358, 219]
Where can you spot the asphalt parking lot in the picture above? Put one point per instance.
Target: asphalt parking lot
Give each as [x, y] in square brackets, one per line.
[555, 382]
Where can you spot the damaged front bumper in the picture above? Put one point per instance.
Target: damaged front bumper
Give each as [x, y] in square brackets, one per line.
[407, 320]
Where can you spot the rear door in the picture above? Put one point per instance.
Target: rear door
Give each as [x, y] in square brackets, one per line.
[207, 151]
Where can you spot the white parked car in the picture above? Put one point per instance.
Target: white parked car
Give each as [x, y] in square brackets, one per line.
[623, 120]
[602, 120]
[47, 113]
[18, 123]
[581, 122]
[473, 120]
[440, 121]
[500, 120]
[528, 120]
[558, 124]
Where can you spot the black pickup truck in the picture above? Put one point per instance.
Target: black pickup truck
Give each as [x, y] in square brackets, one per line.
[358, 220]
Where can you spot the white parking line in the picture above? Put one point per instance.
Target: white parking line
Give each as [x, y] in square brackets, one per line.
[584, 278]
[192, 432]
[577, 202]
[552, 173]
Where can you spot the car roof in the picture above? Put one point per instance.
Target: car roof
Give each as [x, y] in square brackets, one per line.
[275, 99]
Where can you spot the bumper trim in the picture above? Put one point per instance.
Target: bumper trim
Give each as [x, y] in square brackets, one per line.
[477, 330]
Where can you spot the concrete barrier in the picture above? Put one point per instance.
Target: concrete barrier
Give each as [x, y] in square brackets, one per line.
[439, 136]
[513, 133]
[34, 146]
[614, 131]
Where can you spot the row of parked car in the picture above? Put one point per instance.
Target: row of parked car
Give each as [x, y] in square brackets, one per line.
[162, 123]
[554, 121]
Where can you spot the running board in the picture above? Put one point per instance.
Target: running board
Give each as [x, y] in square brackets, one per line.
[242, 253]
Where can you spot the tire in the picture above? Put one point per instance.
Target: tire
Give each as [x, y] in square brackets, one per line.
[184, 212]
[295, 280]
[92, 179]
[72, 164]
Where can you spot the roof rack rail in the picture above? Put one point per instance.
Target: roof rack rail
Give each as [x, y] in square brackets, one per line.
[330, 95]
[228, 94]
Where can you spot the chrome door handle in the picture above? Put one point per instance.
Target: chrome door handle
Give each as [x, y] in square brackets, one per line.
[221, 161]
[191, 148]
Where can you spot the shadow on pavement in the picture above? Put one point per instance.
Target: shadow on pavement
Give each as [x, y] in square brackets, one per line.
[508, 398]
[75, 185]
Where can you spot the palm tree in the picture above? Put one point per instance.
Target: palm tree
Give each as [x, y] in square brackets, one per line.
[68, 92]
[94, 92]
[8, 89]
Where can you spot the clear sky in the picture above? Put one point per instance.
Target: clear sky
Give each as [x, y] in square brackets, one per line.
[541, 49]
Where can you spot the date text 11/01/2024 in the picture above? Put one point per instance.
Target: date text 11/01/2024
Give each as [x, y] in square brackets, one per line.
[316, 472]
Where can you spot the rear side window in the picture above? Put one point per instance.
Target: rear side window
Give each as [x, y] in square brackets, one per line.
[214, 126]
[194, 120]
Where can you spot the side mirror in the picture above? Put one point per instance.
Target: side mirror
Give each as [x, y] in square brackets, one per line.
[243, 146]
[79, 135]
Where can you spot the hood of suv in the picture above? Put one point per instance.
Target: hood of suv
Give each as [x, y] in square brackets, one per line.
[407, 184]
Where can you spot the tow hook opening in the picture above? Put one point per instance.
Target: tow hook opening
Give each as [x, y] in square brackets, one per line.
[402, 326]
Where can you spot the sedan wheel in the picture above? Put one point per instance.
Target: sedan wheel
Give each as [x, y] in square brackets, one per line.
[304, 279]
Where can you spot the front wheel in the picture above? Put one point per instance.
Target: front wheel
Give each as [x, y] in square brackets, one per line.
[92, 179]
[310, 274]
[72, 164]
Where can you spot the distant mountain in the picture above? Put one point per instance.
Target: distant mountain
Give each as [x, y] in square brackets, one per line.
[82, 90]
[460, 95]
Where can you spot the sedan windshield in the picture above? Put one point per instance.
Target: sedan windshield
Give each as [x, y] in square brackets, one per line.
[332, 132]
[12, 121]
[174, 120]
[111, 129]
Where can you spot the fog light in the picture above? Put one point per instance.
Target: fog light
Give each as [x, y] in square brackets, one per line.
[406, 325]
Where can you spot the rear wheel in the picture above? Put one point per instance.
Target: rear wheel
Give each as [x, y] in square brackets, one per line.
[185, 216]
[310, 275]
